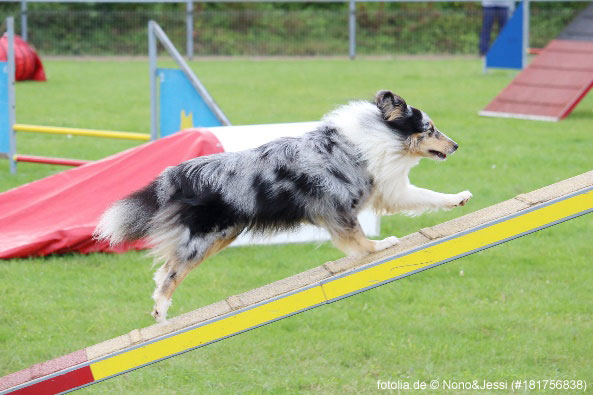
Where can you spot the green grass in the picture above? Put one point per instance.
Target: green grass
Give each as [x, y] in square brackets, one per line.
[519, 311]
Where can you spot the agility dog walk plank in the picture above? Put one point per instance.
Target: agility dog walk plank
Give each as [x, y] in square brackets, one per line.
[525, 214]
[581, 28]
[551, 86]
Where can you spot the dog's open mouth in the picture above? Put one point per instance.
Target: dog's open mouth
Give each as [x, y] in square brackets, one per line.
[438, 154]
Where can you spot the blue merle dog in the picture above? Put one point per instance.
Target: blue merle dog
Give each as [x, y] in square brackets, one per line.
[359, 156]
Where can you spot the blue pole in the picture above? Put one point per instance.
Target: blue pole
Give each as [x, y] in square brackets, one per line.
[11, 98]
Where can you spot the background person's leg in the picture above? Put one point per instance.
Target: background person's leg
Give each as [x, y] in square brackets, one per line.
[502, 15]
[487, 22]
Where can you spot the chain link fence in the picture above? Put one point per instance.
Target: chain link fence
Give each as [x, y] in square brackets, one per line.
[261, 30]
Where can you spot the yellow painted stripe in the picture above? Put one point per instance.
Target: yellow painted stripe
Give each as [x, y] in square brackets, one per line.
[207, 333]
[339, 287]
[457, 246]
[81, 132]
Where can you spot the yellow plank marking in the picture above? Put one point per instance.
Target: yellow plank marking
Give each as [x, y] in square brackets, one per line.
[458, 246]
[207, 333]
[339, 287]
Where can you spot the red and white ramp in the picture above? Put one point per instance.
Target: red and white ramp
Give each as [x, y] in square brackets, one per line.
[551, 86]
[57, 214]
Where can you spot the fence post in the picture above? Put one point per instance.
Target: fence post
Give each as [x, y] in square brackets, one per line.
[152, 58]
[11, 98]
[525, 31]
[352, 29]
[24, 19]
[189, 21]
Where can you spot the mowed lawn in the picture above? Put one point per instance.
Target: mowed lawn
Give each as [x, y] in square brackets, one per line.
[523, 310]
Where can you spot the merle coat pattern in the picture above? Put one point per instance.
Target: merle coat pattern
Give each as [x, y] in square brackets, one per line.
[359, 156]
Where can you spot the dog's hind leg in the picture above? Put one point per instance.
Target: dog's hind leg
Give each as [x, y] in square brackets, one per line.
[172, 273]
[164, 275]
[352, 241]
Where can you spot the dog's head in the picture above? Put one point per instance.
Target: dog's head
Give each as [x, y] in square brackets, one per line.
[414, 127]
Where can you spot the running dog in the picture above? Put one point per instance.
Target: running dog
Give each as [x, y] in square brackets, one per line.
[359, 156]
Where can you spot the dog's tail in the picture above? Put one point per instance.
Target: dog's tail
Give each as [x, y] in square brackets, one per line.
[130, 218]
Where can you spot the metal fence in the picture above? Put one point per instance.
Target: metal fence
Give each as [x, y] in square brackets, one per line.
[256, 29]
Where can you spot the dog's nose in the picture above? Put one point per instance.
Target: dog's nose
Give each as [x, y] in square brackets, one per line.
[455, 146]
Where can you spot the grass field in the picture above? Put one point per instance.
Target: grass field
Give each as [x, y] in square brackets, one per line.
[522, 310]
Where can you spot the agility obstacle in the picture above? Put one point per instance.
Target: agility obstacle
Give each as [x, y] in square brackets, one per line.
[509, 50]
[183, 102]
[331, 282]
[80, 132]
[555, 81]
[71, 132]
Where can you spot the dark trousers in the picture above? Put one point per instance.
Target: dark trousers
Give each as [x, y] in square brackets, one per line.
[489, 15]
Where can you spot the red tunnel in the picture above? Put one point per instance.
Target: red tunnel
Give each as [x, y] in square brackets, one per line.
[27, 64]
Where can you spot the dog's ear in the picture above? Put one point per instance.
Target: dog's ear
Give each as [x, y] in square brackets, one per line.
[391, 105]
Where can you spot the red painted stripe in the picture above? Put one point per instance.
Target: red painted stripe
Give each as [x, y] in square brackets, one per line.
[51, 161]
[572, 105]
[43, 369]
[55, 385]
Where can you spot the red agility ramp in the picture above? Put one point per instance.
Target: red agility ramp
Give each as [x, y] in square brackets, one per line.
[59, 213]
[557, 79]
[551, 86]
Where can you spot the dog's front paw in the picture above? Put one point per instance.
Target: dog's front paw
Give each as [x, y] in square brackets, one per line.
[386, 243]
[462, 198]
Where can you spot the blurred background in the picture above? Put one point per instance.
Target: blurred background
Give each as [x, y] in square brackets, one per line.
[272, 28]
